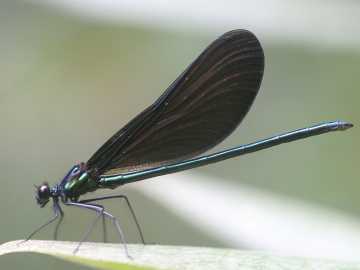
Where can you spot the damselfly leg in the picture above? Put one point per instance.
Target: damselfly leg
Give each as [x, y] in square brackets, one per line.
[61, 217]
[101, 212]
[57, 213]
[131, 209]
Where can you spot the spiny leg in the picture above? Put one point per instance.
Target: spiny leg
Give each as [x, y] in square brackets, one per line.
[104, 229]
[61, 213]
[116, 223]
[57, 214]
[100, 210]
[129, 206]
[120, 232]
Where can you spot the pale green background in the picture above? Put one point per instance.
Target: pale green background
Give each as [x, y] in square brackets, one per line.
[66, 85]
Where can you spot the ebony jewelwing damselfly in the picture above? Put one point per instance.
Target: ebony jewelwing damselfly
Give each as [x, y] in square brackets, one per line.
[198, 111]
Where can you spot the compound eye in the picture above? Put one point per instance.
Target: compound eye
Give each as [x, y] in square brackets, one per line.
[44, 192]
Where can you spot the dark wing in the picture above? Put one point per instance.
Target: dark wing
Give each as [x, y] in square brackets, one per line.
[199, 110]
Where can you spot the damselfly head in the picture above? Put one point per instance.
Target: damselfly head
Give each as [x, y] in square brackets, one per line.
[42, 194]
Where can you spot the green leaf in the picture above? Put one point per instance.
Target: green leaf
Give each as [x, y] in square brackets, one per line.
[112, 256]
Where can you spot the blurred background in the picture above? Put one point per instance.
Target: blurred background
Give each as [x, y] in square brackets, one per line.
[73, 72]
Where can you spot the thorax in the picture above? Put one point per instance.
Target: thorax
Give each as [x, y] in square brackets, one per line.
[77, 182]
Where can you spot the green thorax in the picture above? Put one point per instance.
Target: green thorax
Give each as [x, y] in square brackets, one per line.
[80, 185]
